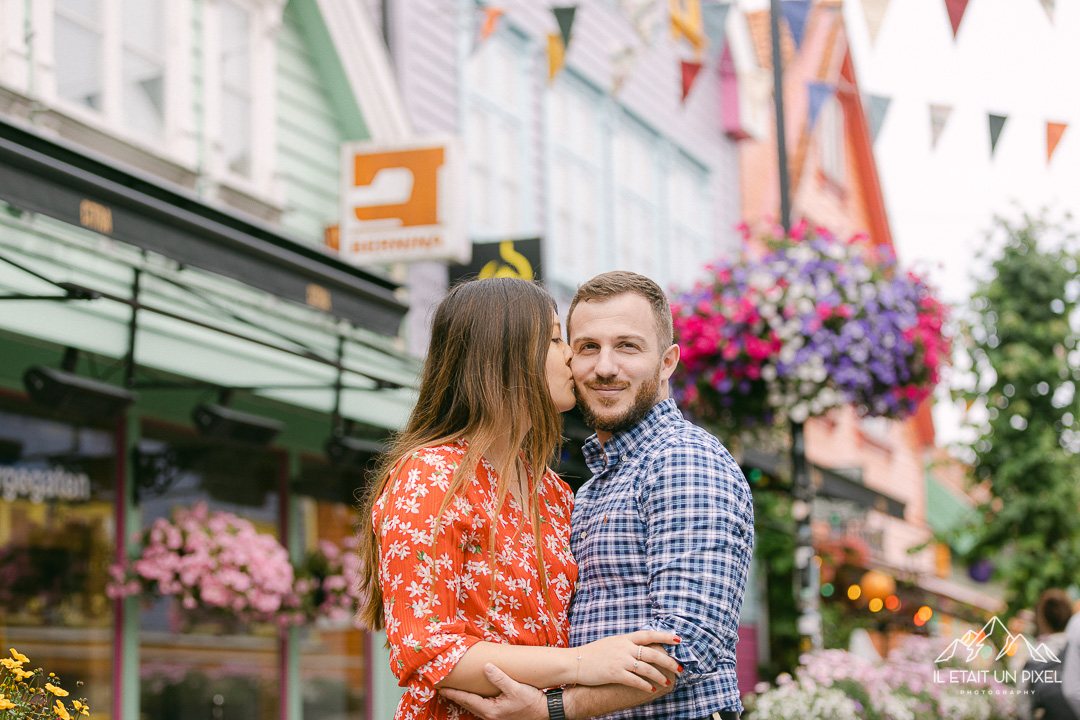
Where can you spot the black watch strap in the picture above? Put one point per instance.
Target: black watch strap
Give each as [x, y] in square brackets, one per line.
[555, 706]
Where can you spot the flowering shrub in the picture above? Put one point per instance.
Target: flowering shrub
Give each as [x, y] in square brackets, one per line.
[813, 324]
[213, 561]
[30, 695]
[329, 581]
[835, 684]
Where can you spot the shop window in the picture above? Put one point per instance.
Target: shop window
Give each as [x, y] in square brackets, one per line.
[334, 654]
[688, 220]
[196, 663]
[637, 195]
[57, 540]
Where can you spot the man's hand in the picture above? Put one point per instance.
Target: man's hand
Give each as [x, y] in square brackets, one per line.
[516, 701]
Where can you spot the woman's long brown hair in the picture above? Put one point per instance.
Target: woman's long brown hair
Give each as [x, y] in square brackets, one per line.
[484, 376]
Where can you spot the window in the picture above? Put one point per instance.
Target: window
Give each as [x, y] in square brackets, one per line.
[688, 248]
[637, 197]
[110, 62]
[831, 142]
[496, 139]
[577, 169]
[236, 102]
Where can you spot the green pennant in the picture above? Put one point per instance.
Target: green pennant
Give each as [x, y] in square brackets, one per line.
[997, 122]
[565, 17]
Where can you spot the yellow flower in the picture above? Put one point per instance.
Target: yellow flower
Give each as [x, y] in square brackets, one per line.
[58, 692]
[19, 656]
[61, 711]
[21, 674]
[5, 704]
[81, 707]
[9, 663]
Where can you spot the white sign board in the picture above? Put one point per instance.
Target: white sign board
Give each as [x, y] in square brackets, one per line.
[403, 202]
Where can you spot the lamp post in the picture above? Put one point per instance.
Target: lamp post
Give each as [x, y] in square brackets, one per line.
[806, 572]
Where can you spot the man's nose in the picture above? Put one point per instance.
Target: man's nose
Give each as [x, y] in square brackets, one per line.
[606, 365]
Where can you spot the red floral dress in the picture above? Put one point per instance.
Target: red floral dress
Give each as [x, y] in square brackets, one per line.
[438, 596]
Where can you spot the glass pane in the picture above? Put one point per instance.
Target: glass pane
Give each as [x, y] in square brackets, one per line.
[144, 95]
[333, 653]
[235, 46]
[194, 663]
[78, 63]
[236, 132]
[57, 540]
[144, 26]
[88, 10]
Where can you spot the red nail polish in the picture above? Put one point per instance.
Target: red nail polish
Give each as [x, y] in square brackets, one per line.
[652, 688]
[678, 639]
[667, 682]
[680, 668]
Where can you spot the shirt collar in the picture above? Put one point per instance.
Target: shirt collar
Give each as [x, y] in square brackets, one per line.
[625, 443]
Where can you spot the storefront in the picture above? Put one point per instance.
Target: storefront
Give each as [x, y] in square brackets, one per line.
[157, 353]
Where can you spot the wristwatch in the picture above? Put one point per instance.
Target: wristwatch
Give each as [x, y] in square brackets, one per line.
[555, 706]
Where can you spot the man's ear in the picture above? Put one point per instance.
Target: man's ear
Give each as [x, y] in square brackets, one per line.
[668, 362]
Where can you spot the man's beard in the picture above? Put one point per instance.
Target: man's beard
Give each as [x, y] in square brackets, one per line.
[644, 401]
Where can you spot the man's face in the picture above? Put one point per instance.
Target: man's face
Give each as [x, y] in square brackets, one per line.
[620, 369]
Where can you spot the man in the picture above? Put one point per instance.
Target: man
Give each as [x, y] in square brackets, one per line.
[662, 533]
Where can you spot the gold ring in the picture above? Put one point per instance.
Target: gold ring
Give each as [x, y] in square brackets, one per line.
[635, 663]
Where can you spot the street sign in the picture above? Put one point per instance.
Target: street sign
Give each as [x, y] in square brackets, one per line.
[403, 201]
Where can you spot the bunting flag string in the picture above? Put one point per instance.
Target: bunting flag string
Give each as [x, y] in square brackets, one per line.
[997, 122]
[690, 72]
[623, 60]
[878, 105]
[795, 12]
[1048, 6]
[819, 93]
[956, 10]
[565, 17]
[939, 115]
[1054, 131]
[644, 16]
[715, 17]
[874, 12]
[556, 55]
[686, 22]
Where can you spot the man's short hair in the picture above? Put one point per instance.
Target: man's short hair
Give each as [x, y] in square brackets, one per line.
[620, 282]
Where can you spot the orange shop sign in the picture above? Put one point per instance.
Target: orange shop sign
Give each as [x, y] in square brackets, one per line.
[403, 202]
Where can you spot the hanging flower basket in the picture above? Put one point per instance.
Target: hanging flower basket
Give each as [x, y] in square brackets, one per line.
[329, 583]
[813, 324]
[212, 562]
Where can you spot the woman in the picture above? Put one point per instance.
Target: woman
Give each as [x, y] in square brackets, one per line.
[466, 548]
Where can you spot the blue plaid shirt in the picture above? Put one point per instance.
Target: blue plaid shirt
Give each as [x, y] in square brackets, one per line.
[662, 534]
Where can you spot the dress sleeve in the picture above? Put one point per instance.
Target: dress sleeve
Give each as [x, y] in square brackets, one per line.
[423, 575]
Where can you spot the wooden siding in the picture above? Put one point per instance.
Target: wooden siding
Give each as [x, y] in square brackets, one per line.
[425, 43]
[309, 136]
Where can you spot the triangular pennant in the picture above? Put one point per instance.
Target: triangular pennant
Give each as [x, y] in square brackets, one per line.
[565, 17]
[1048, 6]
[878, 106]
[686, 22]
[819, 93]
[1054, 131]
[715, 16]
[490, 22]
[997, 122]
[623, 59]
[795, 12]
[956, 10]
[690, 72]
[556, 55]
[874, 12]
[939, 115]
[644, 16]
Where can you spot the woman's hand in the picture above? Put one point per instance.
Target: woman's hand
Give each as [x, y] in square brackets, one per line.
[627, 660]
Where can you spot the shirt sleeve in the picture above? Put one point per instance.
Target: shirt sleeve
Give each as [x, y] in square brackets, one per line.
[699, 522]
[422, 574]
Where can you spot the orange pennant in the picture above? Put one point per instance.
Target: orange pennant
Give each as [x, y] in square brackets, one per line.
[690, 72]
[1054, 131]
[556, 55]
[491, 21]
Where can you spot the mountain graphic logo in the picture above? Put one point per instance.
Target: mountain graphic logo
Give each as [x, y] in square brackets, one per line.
[995, 633]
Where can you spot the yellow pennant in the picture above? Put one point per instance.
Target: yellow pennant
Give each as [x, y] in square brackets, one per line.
[556, 55]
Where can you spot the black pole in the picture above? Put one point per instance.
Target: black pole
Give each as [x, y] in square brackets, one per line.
[802, 491]
[778, 97]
